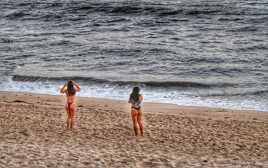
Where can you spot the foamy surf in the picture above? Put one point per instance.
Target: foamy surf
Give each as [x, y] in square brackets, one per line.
[160, 95]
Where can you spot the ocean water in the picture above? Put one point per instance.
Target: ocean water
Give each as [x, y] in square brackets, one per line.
[189, 52]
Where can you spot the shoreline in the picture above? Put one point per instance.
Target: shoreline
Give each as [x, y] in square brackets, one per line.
[192, 107]
[32, 133]
[151, 95]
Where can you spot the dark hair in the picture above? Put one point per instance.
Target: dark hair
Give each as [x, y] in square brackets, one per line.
[135, 94]
[70, 88]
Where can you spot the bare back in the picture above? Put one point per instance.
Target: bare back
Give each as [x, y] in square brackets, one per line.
[70, 99]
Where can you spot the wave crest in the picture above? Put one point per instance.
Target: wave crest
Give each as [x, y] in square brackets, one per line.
[164, 84]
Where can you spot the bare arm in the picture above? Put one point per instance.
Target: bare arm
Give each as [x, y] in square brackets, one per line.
[62, 90]
[78, 88]
[141, 98]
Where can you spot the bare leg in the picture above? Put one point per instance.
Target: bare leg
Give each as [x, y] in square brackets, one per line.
[72, 123]
[68, 118]
[72, 110]
[135, 124]
[68, 123]
[140, 122]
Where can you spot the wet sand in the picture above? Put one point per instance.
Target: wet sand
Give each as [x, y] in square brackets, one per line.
[33, 134]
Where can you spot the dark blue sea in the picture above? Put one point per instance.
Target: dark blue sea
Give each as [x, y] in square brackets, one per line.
[188, 52]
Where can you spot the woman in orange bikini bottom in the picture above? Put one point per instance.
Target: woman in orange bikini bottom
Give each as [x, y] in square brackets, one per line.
[135, 100]
[70, 88]
[136, 118]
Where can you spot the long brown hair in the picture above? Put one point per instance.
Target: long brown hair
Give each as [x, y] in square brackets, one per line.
[135, 95]
[70, 88]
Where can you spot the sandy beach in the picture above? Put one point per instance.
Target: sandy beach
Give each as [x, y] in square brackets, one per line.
[33, 134]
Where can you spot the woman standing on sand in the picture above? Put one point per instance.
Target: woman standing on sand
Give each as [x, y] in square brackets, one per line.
[135, 99]
[70, 88]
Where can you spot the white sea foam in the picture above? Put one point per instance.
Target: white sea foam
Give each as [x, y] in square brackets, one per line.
[121, 93]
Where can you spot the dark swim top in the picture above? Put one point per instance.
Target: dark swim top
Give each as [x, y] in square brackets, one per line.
[136, 104]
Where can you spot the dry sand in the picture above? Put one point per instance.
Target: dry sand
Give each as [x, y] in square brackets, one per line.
[33, 134]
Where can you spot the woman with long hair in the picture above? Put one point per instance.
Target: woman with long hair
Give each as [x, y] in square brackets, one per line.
[135, 99]
[69, 89]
